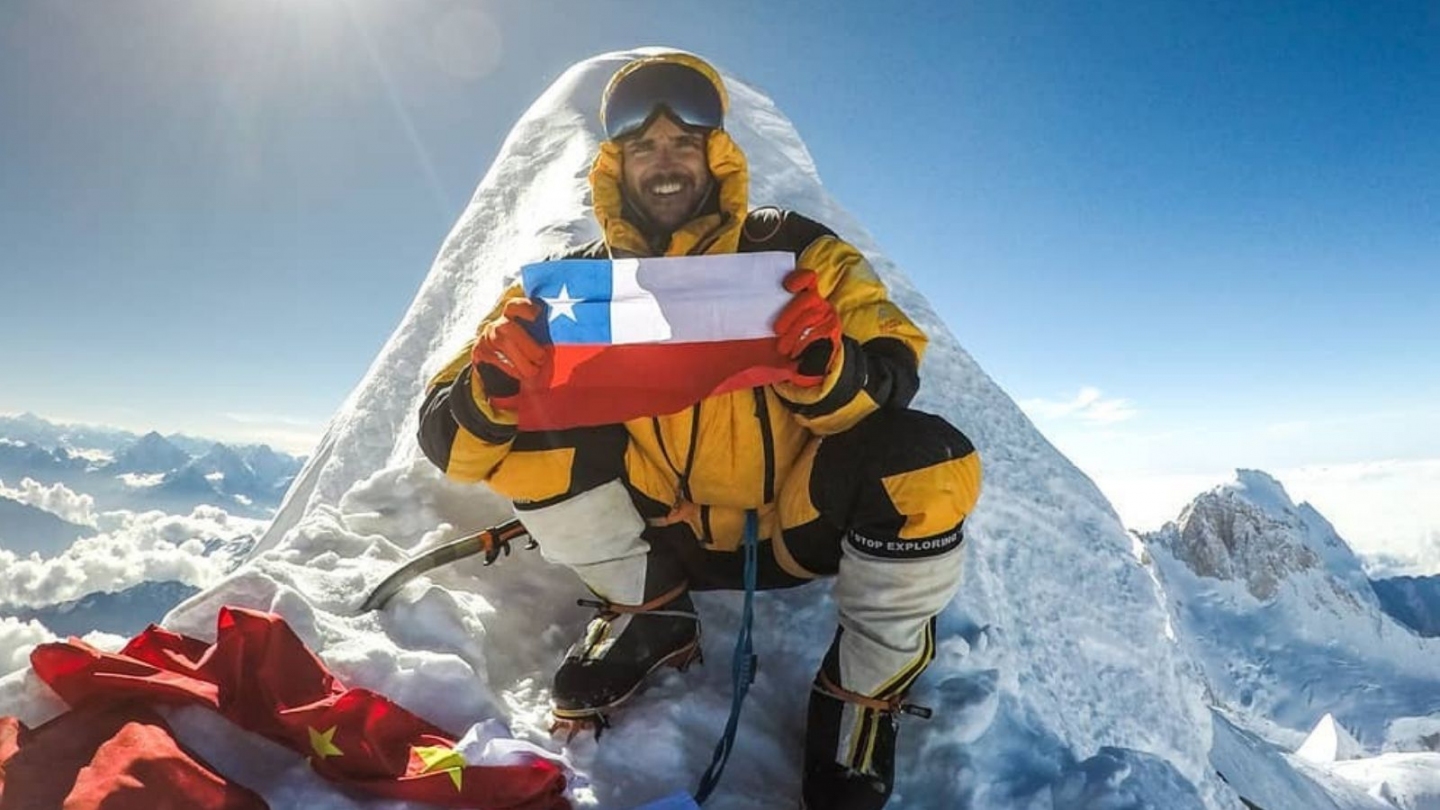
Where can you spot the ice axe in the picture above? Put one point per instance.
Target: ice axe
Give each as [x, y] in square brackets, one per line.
[492, 542]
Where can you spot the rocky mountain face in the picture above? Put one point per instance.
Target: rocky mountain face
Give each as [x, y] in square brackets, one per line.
[1278, 613]
[151, 454]
[1250, 532]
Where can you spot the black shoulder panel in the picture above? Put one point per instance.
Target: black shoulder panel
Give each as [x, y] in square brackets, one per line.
[772, 228]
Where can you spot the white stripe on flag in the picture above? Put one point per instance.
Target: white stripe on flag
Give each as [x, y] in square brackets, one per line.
[698, 299]
[635, 315]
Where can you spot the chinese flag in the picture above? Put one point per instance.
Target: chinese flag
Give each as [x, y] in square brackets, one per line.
[115, 757]
[261, 677]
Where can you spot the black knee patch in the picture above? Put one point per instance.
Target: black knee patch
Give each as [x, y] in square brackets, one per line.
[847, 483]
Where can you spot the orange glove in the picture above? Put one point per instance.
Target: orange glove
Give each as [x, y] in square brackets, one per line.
[808, 328]
[504, 344]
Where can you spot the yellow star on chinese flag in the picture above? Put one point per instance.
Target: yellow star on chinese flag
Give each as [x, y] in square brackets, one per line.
[441, 758]
[321, 741]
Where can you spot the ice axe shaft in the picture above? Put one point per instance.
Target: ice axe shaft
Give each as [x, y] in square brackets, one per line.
[491, 542]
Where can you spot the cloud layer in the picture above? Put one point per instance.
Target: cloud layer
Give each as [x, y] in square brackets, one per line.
[58, 500]
[1089, 405]
[131, 548]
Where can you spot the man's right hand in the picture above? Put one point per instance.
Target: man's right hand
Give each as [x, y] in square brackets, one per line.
[504, 344]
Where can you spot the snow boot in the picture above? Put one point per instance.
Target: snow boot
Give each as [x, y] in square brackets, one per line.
[860, 773]
[850, 740]
[645, 617]
[622, 645]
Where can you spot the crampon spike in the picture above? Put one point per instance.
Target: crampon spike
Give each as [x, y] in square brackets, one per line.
[594, 723]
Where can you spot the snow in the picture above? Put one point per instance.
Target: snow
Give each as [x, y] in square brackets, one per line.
[1264, 491]
[1405, 781]
[1329, 743]
[1413, 734]
[1316, 654]
[141, 480]
[1060, 684]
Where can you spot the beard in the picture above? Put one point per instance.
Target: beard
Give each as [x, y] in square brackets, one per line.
[669, 211]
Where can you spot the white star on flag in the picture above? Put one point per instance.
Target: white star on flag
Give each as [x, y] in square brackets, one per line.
[562, 305]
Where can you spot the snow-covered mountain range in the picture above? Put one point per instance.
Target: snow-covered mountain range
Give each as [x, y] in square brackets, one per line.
[1079, 668]
[122, 613]
[1295, 647]
[104, 530]
[121, 470]
[102, 440]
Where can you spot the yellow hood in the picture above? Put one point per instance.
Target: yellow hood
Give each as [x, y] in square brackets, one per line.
[710, 233]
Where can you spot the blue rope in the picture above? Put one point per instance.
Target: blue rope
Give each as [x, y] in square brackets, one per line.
[742, 666]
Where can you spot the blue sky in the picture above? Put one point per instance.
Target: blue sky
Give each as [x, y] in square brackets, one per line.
[1186, 236]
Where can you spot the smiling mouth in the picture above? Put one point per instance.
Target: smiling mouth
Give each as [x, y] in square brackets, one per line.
[664, 189]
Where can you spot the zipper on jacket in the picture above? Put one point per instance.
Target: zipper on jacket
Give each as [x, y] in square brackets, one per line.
[767, 441]
[683, 476]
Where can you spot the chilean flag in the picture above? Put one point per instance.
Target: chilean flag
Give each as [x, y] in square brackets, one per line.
[647, 337]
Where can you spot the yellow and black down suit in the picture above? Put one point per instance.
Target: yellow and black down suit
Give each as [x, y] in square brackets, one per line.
[845, 479]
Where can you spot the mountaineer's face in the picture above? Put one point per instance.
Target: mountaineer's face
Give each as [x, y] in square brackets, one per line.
[665, 173]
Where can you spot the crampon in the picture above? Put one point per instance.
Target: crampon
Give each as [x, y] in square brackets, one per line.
[573, 722]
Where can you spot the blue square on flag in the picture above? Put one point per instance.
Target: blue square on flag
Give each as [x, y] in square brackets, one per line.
[576, 296]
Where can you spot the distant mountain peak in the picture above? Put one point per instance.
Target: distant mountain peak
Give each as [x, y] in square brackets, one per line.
[1304, 632]
[223, 452]
[1330, 742]
[1246, 530]
[151, 453]
[1263, 490]
[124, 612]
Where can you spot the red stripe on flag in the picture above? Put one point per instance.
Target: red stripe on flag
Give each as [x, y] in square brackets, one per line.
[600, 385]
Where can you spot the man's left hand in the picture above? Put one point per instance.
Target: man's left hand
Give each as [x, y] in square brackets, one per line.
[808, 328]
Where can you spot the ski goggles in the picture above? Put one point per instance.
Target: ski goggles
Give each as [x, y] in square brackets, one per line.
[685, 93]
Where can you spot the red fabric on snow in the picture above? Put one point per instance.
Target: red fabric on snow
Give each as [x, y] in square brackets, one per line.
[260, 676]
[113, 757]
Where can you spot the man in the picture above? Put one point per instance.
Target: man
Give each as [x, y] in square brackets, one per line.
[845, 480]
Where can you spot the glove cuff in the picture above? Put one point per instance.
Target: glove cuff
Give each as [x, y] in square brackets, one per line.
[841, 384]
[473, 410]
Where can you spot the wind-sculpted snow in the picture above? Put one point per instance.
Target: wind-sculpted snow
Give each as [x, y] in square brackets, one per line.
[1058, 684]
